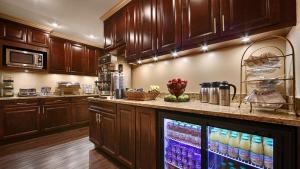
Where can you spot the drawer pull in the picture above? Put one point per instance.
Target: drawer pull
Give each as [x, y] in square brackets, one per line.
[22, 103]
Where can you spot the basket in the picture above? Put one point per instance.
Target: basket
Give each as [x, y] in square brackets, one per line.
[141, 96]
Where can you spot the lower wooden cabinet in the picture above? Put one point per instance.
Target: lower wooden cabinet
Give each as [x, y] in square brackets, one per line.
[145, 138]
[56, 116]
[126, 135]
[20, 121]
[80, 112]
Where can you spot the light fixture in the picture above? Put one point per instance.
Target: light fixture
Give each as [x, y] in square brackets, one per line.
[155, 58]
[204, 48]
[55, 24]
[174, 54]
[92, 36]
[245, 39]
[139, 61]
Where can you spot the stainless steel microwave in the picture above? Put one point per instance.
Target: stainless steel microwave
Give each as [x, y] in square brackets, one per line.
[24, 59]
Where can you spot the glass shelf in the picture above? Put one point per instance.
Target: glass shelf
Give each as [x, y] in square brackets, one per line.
[237, 160]
[185, 143]
[172, 164]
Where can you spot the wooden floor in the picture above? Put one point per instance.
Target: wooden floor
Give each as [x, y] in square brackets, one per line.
[66, 150]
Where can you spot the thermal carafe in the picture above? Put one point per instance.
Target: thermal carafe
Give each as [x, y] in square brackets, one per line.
[214, 93]
[224, 93]
[204, 92]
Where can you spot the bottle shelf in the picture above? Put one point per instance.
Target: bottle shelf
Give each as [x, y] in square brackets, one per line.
[183, 142]
[237, 160]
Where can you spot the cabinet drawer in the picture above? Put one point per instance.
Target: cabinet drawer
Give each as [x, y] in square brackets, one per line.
[20, 103]
[51, 101]
[79, 99]
[104, 107]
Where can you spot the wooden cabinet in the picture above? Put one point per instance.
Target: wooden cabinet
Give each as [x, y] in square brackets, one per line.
[91, 60]
[80, 113]
[168, 26]
[199, 21]
[147, 28]
[14, 31]
[57, 116]
[109, 30]
[108, 131]
[2, 29]
[120, 28]
[94, 129]
[58, 55]
[131, 31]
[76, 55]
[242, 16]
[38, 37]
[126, 135]
[145, 138]
[20, 121]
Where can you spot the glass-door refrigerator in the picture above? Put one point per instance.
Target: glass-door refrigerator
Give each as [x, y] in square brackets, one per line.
[181, 143]
[189, 141]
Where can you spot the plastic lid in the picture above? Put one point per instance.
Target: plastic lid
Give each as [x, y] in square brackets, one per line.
[245, 136]
[231, 164]
[256, 139]
[269, 142]
[234, 134]
[214, 130]
[224, 132]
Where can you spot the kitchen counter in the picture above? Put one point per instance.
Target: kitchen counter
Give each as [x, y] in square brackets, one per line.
[45, 97]
[196, 107]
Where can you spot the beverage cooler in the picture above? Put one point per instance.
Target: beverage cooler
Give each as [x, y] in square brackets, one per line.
[199, 142]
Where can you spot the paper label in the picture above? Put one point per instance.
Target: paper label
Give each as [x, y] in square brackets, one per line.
[257, 159]
[244, 154]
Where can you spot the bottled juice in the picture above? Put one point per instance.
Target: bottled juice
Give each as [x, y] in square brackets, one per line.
[214, 139]
[223, 143]
[244, 148]
[256, 155]
[268, 153]
[233, 145]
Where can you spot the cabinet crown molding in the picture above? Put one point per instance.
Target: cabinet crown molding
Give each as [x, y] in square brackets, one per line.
[114, 9]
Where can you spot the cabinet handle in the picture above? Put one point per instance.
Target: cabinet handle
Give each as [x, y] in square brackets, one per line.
[215, 25]
[99, 118]
[223, 23]
[22, 103]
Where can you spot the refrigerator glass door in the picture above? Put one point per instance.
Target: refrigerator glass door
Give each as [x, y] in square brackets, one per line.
[229, 149]
[182, 145]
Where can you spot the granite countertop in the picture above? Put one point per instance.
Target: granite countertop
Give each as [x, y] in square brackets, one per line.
[45, 97]
[196, 107]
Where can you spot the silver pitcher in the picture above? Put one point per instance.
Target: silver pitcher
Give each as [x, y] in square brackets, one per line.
[214, 93]
[204, 92]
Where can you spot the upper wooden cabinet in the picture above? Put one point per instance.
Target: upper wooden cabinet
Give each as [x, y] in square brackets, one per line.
[147, 28]
[76, 56]
[168, 26]
[15, 32]
[37, 37]
[132, 31]
[242, 16]
[58, 55]
[2, 29]
[73, 58]
[199, 21]
[109, 33]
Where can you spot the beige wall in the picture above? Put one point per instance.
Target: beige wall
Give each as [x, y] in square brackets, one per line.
[218, 65]
[294, 37]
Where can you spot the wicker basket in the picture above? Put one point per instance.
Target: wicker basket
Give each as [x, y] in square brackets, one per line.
[141, 96]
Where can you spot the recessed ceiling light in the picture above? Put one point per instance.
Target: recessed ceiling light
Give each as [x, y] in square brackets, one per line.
[139, 61]
[246, 39]
[174, 54]
[92, 36]
[155, 58]
[204, 48]
[55, 24]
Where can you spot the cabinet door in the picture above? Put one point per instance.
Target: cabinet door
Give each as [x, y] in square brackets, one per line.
[120, 27]
[109, 30]
[147, 28]
[21, 121]
[38, 37]
[94, 127]
[91, 59]
[2, 29]
[76, 55]
[168, 25]
[131, 32]
[126, 135]
[145, 138]
[56, 116]
[80, 112]
[108, 132]
[241, 16]
[15, 32]
[58, 55]
[199, 21]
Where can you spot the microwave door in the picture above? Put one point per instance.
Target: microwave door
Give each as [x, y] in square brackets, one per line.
[23, 59]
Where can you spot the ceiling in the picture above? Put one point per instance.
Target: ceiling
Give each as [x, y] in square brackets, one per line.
[79, 18]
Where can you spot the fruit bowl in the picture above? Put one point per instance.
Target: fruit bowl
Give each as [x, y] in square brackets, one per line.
[177, 87]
